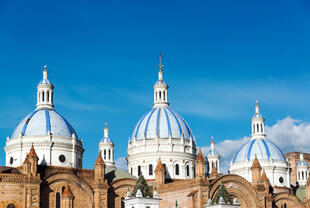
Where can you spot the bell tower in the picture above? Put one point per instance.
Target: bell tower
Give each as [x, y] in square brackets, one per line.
[258, 126]
[45, 92]
[160, 88]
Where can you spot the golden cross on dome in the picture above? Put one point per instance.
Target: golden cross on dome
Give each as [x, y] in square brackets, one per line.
[160, 66]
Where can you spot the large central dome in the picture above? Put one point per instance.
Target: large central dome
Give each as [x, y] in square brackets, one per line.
[161, 122]
[161, 133]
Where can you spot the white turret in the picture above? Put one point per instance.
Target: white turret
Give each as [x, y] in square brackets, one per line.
[213, 157]
[45, 92]
[302, 170]
[258, 127]
[106, 147]
[160, 88]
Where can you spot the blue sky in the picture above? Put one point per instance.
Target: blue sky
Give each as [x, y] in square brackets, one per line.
[219, 57]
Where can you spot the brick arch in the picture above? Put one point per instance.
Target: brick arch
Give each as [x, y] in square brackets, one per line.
[82, 192]
[286, 198]
[237, 187]
[118, 190]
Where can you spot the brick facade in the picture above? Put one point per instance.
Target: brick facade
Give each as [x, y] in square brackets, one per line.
[33, 186]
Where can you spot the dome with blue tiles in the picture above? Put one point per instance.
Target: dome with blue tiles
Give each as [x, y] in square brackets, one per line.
[212, 152]
[268, 155]
[106, 137]
[264, 149]
[44, 122]
[45, 79]
[47, 131]
[302, 163]
[162, 122]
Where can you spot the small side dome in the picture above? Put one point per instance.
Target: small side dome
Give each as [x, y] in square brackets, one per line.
[302, 163]
[264, 149]
[212, 152]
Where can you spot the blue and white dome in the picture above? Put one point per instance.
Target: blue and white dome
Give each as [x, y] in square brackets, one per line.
[302, 163]
[42, 122]
[212, 152]
[264, 149]
[54, 139]
[162, 122]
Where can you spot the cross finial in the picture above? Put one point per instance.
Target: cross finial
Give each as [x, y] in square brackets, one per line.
[160, 66]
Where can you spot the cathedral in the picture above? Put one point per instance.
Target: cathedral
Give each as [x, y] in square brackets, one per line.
[166, 168]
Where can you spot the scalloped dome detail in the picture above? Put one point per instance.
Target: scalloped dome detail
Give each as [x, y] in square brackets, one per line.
[263, 148]
[44, 122]
[162, 122]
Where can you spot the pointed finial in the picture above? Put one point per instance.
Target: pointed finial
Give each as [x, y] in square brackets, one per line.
[67, 191]
[212, 143]
[160, 66]
[32, 152]
[257, 107]
[301, 156]
[106, 130]
[99, 160]
[45, 72]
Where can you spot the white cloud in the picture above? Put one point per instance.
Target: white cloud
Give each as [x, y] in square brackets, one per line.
[121, 163]
[285, 133]
[288, 132]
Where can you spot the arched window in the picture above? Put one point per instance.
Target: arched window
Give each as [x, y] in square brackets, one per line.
[48, 96]
[177, 169]
[253, 128]
[156, 96]
[257, 128]
[159, 95]
[139, 170]
[131, 171]
[302, 174]
[62, 189]
[164, 95]
[284, 206]
[150, 169]
[187, 170]
[11, 206]
[261, 127]
[299, 176]
[57, 200]
[104, 154]
[42, 96]
[109, 154]
[165, 168]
